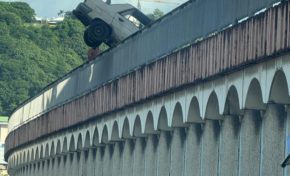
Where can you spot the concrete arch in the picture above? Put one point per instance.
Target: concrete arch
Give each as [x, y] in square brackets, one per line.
[58, 147]
[64, 145]
[163, 120]
[41, 152]
[126, 129]
[212, 107]
[177, 118]
[279, 92]
[52, 149]
[37, 153]
[194, 113]
[80, 142]
[232, 105]
[18, 159]
[96, 138]
[72, 144]
[32, 155]
[27, 159]
[105, 135]
[137, 128]
[87, 141]
[115, 132]
[149, 124]
[46, 152]
[253, 98]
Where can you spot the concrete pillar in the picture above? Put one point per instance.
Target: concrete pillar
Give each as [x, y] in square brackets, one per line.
[47, 167]
[250, 154]
[193, 150]
[56, 165]
[69, 165]
[139, 163]
[99, 161]
[210, 148]
[74, 166]
[163, 153]
[53, 166]
[85, 170]
[81, 163]
[90, 163]
[127, 157]
[107, 160]
[62, 165]
[273, 141]
[33, 167]
[150, 155]
[229, 146]
[177, 152]
[117, 158]
[287, 109]
[43, 166]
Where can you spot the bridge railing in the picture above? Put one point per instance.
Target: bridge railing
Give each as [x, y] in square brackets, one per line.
[191, 21]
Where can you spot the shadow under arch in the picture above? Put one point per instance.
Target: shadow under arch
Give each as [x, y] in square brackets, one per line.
[87, 140]
[32, 155]
[115, 132]
[126, 129]
[149, 124]
[46, 152]
[96, 137]
[41, 152]
[105, 135]
[27, 157]
[20, 158]
[232, 105]
[194, 115]
[64, 145]
[212, 107]
[254, 98]
[79, 142]
[37, 153]
[72, 144]
[163, 120]
[58, 147]
[137, 128]
[177, 119]
[279, 92]
[52, 149]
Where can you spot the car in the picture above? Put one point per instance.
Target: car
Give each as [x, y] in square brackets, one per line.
[109, 23]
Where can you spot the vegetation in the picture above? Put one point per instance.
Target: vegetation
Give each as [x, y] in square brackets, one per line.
[31, 56]
[157, 13]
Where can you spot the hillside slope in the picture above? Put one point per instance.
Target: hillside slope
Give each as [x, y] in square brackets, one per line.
[33, 55]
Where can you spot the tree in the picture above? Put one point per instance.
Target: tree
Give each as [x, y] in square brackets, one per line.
[32, 56]
[157, 13]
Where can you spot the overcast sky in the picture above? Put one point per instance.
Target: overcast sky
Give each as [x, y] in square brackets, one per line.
[50, 8]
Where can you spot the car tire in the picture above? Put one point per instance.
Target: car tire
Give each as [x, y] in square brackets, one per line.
[89, 41]
[99, 31]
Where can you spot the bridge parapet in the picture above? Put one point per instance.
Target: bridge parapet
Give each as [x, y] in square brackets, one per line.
[219, 54]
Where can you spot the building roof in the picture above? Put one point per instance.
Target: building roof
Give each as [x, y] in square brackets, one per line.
[3, 119]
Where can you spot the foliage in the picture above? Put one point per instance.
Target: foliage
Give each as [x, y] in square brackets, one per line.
[33, 55]
[157, 13]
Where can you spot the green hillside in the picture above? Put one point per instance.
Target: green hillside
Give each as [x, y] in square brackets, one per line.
[33, 55]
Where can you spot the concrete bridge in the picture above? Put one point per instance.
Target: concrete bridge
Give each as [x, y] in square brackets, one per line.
[214, 103]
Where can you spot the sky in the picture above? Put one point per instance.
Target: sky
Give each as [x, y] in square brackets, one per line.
[50, 8]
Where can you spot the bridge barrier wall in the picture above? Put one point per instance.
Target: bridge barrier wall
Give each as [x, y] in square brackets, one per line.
[248, 42]
[194, 20]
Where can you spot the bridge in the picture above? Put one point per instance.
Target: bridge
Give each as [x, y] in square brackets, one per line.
[202, 91]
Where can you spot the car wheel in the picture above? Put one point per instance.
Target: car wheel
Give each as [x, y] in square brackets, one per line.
[99, 31]
[89, 41]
